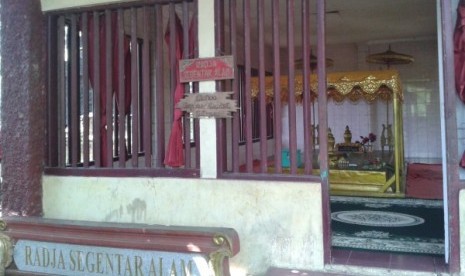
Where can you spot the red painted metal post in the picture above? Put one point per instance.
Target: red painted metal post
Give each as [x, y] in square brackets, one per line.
[61, 96]
[160, 86]
[73, 126]
[52, 93]
[134, 91]
[220, 86]
[85, 89]
[323, 122]
[262, 99]
[121, 92]
[109, 88]
[450, 98]
[97, 91]
[185, 54]
[146, 95]
[306, 93]
[277, 88]
[247, 96]
[235, 86]
[291, 87]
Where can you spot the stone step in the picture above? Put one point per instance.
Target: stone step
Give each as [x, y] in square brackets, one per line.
[274, 271]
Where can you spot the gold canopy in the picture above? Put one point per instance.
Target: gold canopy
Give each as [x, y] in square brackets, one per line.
[357, 85]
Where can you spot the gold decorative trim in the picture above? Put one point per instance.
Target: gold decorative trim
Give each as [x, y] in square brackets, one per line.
[217, 257]
[6, 249]
[367, 85]
[2, 225]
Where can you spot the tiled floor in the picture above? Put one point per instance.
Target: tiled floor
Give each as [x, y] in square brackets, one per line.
[372, 259]
[354, 262]
[293, 272]
[424, 263]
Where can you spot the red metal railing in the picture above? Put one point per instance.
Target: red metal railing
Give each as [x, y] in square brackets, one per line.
[259, 32]
[111, 97]
[112, 78]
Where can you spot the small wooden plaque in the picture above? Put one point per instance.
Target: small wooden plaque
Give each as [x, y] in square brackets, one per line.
[215, 105]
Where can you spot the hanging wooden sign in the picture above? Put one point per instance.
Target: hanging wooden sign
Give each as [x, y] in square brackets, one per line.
[206, 69]
[215, 105]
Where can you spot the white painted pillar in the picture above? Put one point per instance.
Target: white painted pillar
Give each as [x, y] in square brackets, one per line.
[208, 160]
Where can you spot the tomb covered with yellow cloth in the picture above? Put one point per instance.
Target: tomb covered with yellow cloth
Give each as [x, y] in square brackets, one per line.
[354, 176]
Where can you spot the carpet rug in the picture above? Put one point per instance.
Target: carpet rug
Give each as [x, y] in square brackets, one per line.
[394, 225]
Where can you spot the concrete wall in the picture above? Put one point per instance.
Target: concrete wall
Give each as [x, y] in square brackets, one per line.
[48, 5]
[462, 229]
[279, 224]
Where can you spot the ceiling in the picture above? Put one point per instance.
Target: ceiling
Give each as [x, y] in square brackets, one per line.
[370, 21]
[355, 21]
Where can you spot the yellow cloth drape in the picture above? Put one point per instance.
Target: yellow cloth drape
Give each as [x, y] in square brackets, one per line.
[367, 85]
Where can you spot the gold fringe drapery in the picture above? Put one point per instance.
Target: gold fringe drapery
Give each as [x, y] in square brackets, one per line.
[354, 86]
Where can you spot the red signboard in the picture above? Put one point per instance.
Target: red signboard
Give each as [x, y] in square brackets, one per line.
[206, 69]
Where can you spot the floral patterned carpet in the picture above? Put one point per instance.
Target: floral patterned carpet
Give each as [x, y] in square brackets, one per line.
[395, 225]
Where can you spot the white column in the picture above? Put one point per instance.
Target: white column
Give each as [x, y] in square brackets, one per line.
[208, 161]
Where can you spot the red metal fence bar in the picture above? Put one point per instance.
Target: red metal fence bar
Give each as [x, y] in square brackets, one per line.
[277, 87]
[73, 101]
[261, 99]
[146, 103]
[220, 47]
[290, 5]
[121, 142]
[61, 94]
[235, 86]
[85, 89]
[247, 87]
[322, 97]
[109, 91]
[96, 88]
[323, 122]
[196, 90]
[308, 135]
[185, 51]
[172, 56]
[159, 79]
[134, 119]
[52, 86]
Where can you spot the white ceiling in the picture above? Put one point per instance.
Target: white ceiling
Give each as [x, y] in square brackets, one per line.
[369, 21]
[355, 21]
